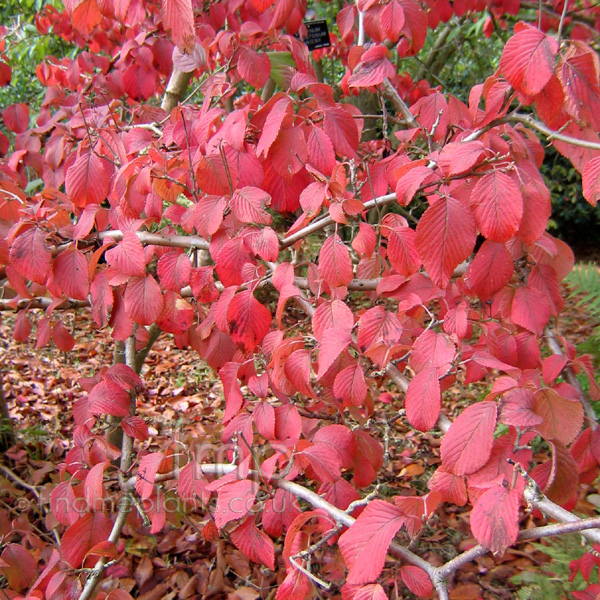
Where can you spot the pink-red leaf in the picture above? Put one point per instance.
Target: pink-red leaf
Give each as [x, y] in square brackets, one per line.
[254, 67]
[70, 269]
[468, 444]
[127, 257]
[527, 61]
[30, 256]
[333, 343]
[178, 20]
[92, 529]
[495, 519]
[255, 544]
[417, 581]
[87, 181]
[530, 309]
[497, 204]
[335, 265]
[446, 236]
[248, 320]
[248, 205]
[174, 270]
[365, 545]
[423, 399]
[143, 300]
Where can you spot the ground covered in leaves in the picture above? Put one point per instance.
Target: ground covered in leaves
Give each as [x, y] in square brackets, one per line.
[182, 403]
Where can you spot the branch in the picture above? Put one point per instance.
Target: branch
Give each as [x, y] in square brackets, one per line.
[172, 241]
[24, 303]
[175, 89]
[551, 134]
[327, 220]
[305, 494]
[555, 348]
[390, 92]
[125, 500]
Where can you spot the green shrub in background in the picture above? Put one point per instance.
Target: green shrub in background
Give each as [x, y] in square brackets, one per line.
[26, 48]
[573, 220]
[584, 280]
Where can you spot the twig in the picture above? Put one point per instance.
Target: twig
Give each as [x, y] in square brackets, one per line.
[555, 348]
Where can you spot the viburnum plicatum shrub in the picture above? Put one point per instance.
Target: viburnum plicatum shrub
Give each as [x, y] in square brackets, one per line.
[220, 216]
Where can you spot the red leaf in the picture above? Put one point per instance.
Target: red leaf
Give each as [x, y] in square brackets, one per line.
[320, 150]
[248, 205]
[279, 114]
[22, 328]
[288, 153]
[451, 487]
[373, 591]
[135, 427]
[86, 16]
[18, 566]
[578, 73]
[101, 299]
[107, 397]
[124, 376]
[127, 257]
[340, 440]
[335, 314]
[339, 125]
[265, 244]
[495, 519]
[591, 181]
[177, 314]
[16, 117]
[70, 270]
[457, 158]
[231, 260]
[93, 486]
[497, 204]
[83, 535]
[527, 61]
[517, 409]
[174, 270]
[296, 585]
[561, 418]
[372, 71]
[401, 250]
[248, 320]
[379, 331]
[254, 544]
[365, 545]
[349, 386]
[234, 501]
[143, 300]
[254, 67]
[264, 419]
[62, 337]
[87, 181]
[432, 349]
[147, 469]
[324, 461]
[417, 581]
[333, 343]
[335, 265]
[423, 400]
[446, 236]
[64, 504]
[490, 270]
[468, 444]
[530, 309]
[30, 256]
[178, 20]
